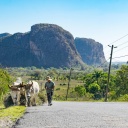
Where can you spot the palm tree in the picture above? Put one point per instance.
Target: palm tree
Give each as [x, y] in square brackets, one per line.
[96, 75]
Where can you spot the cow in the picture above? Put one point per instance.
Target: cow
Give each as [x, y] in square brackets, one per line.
[29, 91]
[32, 90]
[15, 91]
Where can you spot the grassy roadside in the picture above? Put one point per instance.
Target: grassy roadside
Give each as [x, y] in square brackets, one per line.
[9, 115]
[13, 112]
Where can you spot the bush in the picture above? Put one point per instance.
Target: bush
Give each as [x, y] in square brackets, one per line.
[94, 88]
[112, 95]
[63, 84]
[88, 96]
[8, 101]
[80, 90]
[57, 89]
[42, 97]
[4, 82]
[123, 98]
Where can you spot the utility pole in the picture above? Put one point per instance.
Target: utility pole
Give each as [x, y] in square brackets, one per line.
[68, 83]
[106, 96]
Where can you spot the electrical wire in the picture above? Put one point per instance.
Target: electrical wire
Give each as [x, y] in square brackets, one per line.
[117, 40]
[120, 56]
[121, 49]
[122, 43]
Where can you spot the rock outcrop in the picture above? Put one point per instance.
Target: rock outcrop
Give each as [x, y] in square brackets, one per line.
[3, 35]
[46, 45]
[90, 51]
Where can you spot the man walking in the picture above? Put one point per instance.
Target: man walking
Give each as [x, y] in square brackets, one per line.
[49, 86]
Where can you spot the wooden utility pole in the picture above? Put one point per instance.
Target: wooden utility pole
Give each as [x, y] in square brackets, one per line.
[106, 96]
[68, 83]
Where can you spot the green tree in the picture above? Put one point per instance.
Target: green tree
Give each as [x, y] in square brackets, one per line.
[4, 82]
[94, 88]
[37, 75]
[80, 90]
[122, 81]
[103, 82]
[96, 75]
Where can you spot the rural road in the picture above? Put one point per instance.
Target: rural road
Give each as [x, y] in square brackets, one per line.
[76, 115]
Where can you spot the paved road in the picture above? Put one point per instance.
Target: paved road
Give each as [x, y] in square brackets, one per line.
[76, 115]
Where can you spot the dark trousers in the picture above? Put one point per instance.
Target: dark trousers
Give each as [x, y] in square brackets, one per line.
[49, 96]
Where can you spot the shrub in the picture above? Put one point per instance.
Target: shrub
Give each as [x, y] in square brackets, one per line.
[42, 97]
[7, 101]
[57, 89]
[80, 90]
[89, 96]
[112, 95]
[4, 82]
[94, 88]
[63, 84]
[124, 98]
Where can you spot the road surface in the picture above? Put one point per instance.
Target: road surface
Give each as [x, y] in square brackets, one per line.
[76, 115]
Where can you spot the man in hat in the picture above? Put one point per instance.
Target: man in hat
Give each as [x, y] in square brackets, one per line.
[49, 86]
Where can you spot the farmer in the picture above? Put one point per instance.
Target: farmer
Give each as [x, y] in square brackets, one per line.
[49, 86]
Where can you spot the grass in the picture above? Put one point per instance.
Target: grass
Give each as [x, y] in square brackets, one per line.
[13, 112]
[61, 88]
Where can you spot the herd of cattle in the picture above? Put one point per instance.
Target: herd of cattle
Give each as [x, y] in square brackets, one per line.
[29, 91]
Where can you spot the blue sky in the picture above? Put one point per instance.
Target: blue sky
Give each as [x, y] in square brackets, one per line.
[102, 20]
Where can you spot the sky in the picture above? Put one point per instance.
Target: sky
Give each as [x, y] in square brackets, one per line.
[105, 21]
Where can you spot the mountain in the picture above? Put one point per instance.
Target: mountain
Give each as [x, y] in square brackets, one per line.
[90, 51]
[2, 35]
[45, 45]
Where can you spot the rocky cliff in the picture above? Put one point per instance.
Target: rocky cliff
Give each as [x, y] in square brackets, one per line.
[3, 35]
[90, 51]
[46, 45]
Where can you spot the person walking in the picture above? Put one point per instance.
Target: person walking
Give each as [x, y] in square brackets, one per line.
[49, 86]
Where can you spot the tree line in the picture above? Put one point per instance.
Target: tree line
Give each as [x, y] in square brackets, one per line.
[92, 84]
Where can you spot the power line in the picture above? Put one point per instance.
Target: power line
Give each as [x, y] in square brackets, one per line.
[120, 56]
[122, 43]
[121, 49]
[103, 63]
[117, 40]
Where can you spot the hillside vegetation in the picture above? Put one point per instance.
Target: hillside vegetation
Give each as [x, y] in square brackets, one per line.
[84, 85]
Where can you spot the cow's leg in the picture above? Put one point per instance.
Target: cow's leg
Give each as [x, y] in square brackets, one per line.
[29, 101]
[18, 98]
[14, 100]
[34, 99]
[26, 100]
[14, 97]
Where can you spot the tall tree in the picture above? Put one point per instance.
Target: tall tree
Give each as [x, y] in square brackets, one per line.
[122, 81]
[96, 75]
[4, 82]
